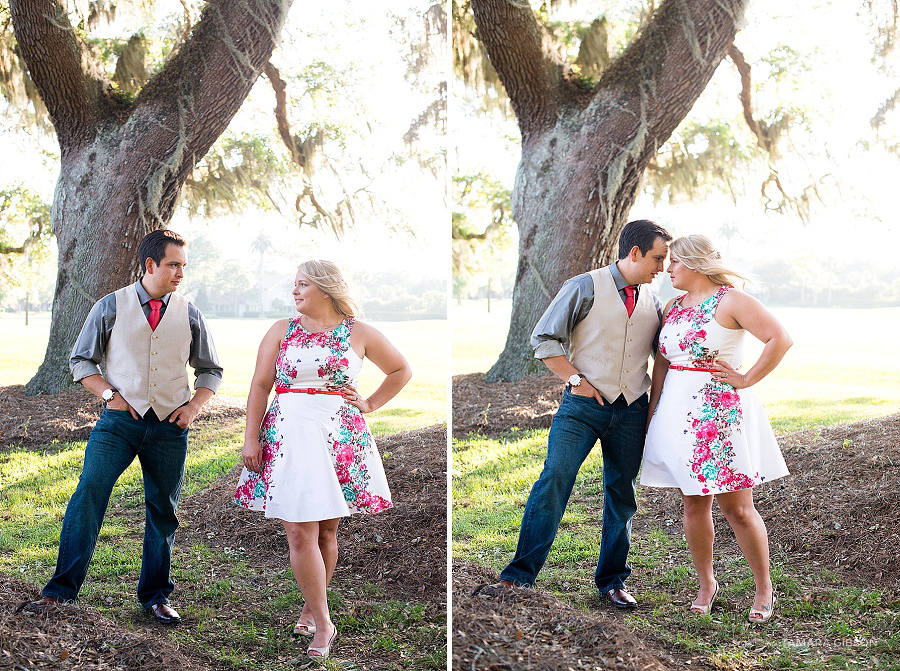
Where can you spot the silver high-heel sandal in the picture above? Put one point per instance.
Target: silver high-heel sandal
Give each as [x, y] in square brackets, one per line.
[707, 609]
[304, 629]
[763, 615]
[322, 653]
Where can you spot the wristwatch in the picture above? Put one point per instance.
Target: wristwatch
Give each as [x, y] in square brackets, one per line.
[575, 379]
[107, 395]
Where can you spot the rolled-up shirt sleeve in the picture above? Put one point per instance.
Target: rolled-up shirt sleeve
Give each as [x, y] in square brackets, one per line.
[203, 356]
[572, 303]
[91, 344]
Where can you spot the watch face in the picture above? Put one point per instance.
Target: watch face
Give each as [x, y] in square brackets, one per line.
[108, 394]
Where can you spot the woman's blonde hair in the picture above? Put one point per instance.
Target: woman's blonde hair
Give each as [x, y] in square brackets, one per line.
[327, 277]
[698, 253]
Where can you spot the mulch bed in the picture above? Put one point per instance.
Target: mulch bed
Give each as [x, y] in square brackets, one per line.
[494, 409]
[77, 637]
[403, 549]
[37, 421]
[529, 629]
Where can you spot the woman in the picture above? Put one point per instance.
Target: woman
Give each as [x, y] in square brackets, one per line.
[311, 459]
[708, 434]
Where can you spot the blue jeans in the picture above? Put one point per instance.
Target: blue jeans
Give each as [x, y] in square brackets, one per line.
[579, 423]
[115, 440]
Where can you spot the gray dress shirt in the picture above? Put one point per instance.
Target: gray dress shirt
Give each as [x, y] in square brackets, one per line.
[573, 302]
[90, 349]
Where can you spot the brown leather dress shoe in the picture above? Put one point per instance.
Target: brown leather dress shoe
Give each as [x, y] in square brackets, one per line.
[620, 598]
[164, 613]
[494, 590]
[42, 605]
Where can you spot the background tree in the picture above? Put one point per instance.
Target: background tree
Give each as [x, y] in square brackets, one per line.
[125, 156]
[481, 233]
[261, 245]
[586, 142]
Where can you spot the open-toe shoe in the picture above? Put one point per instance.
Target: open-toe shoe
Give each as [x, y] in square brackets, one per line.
[762, 616]
[304, 628]
[707, 609]
[322, 653]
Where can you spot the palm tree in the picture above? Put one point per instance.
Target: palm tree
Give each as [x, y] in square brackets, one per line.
[261, 245]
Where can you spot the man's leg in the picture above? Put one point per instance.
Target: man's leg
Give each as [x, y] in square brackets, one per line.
[623, 447]
[576, 427]
[162, 460]
[109, 451]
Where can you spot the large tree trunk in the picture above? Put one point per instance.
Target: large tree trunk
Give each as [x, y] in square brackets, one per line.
[583, 152]
[123, 163]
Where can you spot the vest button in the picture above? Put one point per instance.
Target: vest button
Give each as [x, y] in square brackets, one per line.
[152, 385]
[153, 400]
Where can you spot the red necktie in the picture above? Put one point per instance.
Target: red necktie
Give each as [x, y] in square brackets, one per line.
[156, 304]
[629, 299]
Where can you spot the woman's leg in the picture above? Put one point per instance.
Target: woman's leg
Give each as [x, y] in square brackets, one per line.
[750, 531]
[700, 535]
[311, 575]
[328, 547]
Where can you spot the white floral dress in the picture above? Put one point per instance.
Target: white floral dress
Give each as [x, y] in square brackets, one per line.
[706, 437]
[319, 458]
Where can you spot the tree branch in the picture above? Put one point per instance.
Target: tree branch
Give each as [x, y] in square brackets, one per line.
[886, 106]
[192, 99]
[530, 72]
[281, 120]
[59, 66]
[650, 89]
[29, 242]
[743, 68]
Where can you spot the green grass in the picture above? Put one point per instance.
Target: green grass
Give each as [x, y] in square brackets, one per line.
[236, 613]
[424, 343]
[843, 627]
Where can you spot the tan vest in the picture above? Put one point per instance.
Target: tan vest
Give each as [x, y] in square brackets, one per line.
[149, 367]
[610, 348]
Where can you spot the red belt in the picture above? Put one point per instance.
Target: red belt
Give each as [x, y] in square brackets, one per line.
[701, 370]
[286, 390]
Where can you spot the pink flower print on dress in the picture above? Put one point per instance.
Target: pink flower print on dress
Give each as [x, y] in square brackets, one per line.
[343, 475]
[345, 455]
[708, 433]
[729, 399]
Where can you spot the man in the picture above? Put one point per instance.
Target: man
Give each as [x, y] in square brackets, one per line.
[609, 324]
[147, 334]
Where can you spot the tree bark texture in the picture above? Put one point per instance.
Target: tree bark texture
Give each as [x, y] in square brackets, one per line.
[584, 150]
[123, 162]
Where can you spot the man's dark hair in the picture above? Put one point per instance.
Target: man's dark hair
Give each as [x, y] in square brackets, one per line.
[641, 233]
[154, 244]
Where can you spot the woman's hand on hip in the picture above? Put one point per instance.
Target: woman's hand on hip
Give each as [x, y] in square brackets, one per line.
[252, 455]
[351, 395]
[728, 375]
